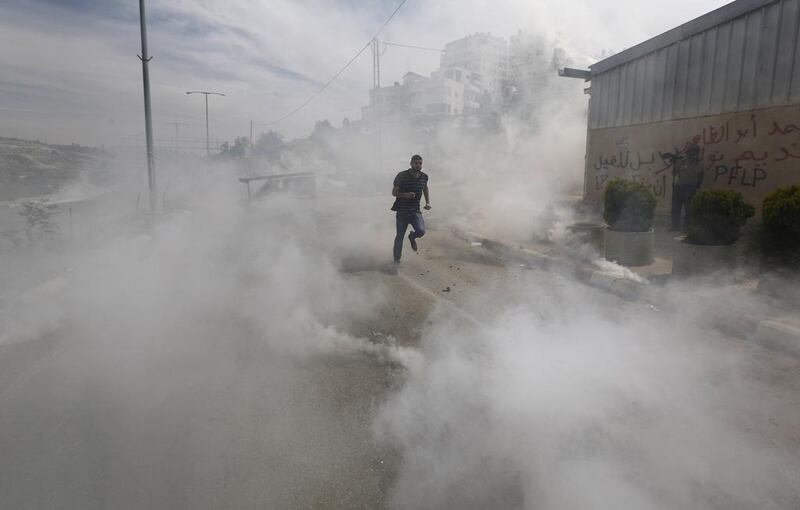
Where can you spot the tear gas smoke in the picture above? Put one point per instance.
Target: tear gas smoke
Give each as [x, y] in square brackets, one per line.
[558, 405]
[232, 356]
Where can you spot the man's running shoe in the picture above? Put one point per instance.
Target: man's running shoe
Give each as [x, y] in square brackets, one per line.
[413, 242]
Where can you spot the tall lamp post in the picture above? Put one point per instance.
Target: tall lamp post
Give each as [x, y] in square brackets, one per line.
[206, 93]
[145, 58]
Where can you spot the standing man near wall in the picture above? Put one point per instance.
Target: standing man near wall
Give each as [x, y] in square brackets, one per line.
[409, 186]
[687, 175]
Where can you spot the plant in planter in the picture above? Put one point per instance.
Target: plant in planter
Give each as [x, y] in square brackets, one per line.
[780, 265]
[716, 221]
[717, 217]
[781, 221]
[629, 208]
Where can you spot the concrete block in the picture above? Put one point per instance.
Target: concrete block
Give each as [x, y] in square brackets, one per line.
[628, 288]
[629, 248]
[603, 280]
[497, 247]
[535, 258]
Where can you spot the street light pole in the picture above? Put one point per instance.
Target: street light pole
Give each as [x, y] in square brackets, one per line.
[206, 93]
[151, 169]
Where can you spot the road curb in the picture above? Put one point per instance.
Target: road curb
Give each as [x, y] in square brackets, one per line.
[624, 287]
[773, 334]
[524, 255]
[611, 282]
[778, 335]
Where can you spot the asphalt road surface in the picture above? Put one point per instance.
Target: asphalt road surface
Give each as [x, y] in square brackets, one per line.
[232, 421]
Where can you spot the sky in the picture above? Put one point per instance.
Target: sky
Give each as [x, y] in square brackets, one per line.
[69, 71]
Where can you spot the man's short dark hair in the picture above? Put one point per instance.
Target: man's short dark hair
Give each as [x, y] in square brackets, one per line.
[416, 157]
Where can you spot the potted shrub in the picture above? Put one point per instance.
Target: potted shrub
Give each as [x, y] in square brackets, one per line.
[780, 262]
[628, 209]
[715, 224]
[781, 222]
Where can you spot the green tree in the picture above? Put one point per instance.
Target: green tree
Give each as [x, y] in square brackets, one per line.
[239, 148]
[322, 130]
[268, 143]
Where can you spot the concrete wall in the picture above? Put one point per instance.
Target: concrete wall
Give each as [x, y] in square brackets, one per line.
[753, 152]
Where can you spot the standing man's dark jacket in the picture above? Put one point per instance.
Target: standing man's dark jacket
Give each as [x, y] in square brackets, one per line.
[687, 175]
[406, 181]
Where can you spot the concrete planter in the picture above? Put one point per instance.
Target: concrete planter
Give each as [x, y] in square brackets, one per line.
[589, 233]
[779, 280]
[696, 259]
[629, 248]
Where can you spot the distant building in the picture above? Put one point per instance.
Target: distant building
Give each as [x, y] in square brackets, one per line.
[471, 93]
[528, 64]
[416, 96]
[485, 56]
[478, 77]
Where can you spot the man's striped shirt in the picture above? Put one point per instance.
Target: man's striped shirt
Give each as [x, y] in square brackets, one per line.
[406, 181]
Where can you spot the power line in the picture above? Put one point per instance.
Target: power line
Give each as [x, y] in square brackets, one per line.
[343, 69]
[438, 50]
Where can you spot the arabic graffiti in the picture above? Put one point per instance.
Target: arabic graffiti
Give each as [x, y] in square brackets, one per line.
[712, 134]
[787, 129]
[658, 185]
[600, 181]
[738, 151]
[624, 161]
[786, 154]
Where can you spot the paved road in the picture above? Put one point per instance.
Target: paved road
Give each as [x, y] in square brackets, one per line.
[239, 406]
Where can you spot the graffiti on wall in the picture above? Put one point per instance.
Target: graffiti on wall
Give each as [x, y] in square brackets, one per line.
[753, 152]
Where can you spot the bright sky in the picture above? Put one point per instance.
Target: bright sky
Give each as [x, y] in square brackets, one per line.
[69, 71]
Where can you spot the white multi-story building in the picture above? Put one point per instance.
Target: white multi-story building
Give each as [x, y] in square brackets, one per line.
[472, 93]
[479, 74]
[485, 56]
[529, 62]
[417, 95]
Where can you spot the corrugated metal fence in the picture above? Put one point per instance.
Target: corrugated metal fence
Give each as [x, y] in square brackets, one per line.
[747, 62]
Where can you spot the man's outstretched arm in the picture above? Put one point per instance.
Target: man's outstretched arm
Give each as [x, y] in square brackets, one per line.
[427, 197]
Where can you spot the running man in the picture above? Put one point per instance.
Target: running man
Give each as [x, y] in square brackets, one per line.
[409, 186]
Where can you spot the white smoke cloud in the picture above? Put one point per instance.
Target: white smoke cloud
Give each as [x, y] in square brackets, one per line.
[557, 405]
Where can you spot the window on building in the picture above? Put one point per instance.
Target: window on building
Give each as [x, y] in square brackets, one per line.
[437, 108]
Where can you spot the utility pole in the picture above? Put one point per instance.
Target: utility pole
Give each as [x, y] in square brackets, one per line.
[151, 169]
[176, 124]
[377, 51]
[376, 64]
[376, 90]
[206, 94]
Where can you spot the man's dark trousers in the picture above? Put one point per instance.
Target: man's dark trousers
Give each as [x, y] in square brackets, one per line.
[404, 219]
[681, 201]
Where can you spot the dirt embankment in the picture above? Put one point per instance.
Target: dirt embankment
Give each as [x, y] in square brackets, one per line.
[31, 168]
